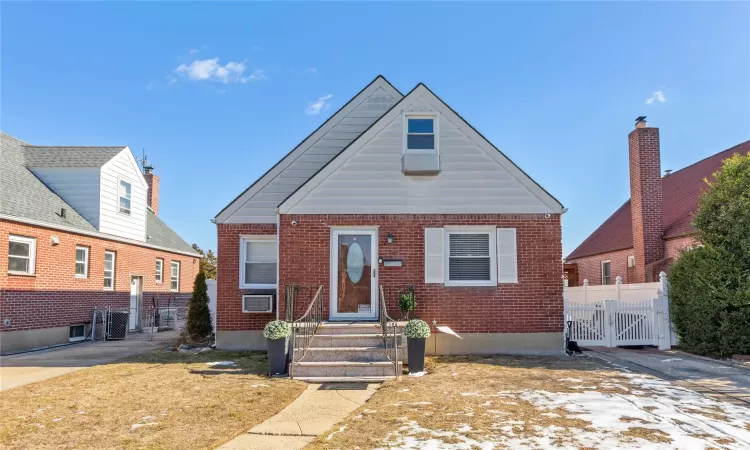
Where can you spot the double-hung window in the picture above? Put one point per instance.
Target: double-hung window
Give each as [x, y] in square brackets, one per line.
[606, 272]
[124, 206]
[82, 261]
[471, 257]
[174, 282]
[420, 133]
[109, 271]
[21, 255]
[159, 270]
[258, 262]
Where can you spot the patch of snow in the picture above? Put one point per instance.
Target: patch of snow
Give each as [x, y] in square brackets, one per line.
[404, 390]
[58, 419]
[136, 426]
[464, 428]
[335, 433]
[220, 363]
[418, 374]
[259, 385]
[369, 411]
[671, 359]
[81, 412]
[572, 380]
[147, 417]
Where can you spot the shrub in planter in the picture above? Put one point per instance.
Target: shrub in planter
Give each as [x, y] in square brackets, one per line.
[416, 331]
[276, 333]
[407, 302]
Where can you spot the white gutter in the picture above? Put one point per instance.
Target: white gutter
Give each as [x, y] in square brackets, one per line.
[96, 234]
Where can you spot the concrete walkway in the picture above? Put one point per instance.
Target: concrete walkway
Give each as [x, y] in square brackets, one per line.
[717, 379]
[25, 368]
[314, 412]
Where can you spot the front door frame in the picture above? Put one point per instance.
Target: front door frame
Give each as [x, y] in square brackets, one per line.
[333, 250]
[134, 322]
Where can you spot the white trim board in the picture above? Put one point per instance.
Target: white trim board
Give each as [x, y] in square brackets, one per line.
[379, 82]
[550, 204]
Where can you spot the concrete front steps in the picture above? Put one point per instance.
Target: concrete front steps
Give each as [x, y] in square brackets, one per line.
[346, 352]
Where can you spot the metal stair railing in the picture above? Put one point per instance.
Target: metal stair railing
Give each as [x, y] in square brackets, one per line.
[390, 333]
[304, 328]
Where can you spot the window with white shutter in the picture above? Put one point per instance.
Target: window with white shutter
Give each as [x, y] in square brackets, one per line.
[470, 256]
[258, 262]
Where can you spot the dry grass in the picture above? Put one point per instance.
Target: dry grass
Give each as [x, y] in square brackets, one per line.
[178, 401]
[438, 401]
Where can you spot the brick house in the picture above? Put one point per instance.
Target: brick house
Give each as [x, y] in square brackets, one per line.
[648, 232]
[82, 230]
[396, 190]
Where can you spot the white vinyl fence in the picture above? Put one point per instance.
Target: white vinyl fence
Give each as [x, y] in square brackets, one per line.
[620, 314]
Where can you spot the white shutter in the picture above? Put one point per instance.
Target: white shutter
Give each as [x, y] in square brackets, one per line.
[507, 257]
[433, 255]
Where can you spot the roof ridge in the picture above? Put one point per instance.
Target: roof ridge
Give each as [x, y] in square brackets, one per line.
[75, 146]
[704, 159]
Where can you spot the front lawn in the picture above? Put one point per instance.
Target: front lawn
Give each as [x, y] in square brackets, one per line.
[159, 401]
[535, 402]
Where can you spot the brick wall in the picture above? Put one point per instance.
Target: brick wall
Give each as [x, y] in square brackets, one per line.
[590, 268]
[229, 315]
[673, 247]
[54, 297]
[152, 195]
[533, 305]
[645, 199]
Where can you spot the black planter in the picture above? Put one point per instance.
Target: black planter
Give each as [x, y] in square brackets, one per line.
[415, 347]
[277, 356]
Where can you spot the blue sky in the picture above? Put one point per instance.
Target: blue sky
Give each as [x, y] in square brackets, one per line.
[555, 86]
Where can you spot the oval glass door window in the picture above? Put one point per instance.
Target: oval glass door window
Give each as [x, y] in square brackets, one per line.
[355, 263]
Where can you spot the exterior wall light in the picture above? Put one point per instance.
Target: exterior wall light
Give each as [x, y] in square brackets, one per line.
[390, 238]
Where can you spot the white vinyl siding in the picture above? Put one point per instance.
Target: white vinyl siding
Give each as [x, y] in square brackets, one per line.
[82, 262]
[470, 256]
[507, 256]
[122, 168]
[258, 262]
[78, 186]
[21, 255]
[174, 282]
[296, 168]
[159, 270]
[368, 178]
[109, 271]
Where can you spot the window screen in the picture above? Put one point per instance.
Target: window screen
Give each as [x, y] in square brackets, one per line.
[469, 257]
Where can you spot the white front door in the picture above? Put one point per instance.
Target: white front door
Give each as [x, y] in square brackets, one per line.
[135, 302]
[354, 273]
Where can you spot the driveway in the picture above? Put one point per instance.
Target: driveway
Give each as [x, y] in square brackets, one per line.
[721, 380]
[25, 368]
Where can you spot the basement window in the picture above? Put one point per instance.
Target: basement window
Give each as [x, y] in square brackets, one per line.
[77, 333]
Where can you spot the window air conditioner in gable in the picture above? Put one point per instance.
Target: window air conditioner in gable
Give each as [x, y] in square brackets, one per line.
[257, 303]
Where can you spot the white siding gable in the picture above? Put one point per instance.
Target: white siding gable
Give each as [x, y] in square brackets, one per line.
[78, 186]
[133, 226]
[258, 204]
[367, 177]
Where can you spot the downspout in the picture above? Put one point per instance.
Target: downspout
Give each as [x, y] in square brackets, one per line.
[278, 266]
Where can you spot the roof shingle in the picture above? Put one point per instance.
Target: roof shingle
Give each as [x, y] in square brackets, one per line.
[681, 191]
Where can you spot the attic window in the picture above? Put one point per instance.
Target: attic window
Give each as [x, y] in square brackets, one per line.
[124, 197]
[420, 133]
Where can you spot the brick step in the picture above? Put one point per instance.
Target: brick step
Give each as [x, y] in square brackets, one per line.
[322, 380]
[345, 354]
[347, 340]
[344, 369]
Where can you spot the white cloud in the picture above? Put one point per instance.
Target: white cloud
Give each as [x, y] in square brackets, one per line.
[321, 104]
[657, 96]
[311, 71]
[212, 70]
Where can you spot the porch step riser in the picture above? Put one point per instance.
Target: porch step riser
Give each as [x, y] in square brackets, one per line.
[345, 341]
[344, 371]
[348, 329]
[359, 355]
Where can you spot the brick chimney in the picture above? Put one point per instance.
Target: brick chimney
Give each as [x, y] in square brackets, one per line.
[152, 196]
[645, 199]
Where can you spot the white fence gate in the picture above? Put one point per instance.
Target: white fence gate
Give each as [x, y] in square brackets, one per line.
[612, 322]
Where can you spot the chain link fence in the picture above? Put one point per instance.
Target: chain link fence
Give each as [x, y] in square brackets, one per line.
[155, 322]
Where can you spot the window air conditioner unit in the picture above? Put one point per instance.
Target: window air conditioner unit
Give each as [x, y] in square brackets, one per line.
[257, 303]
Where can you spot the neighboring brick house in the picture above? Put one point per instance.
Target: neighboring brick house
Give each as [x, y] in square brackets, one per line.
[81, 230]
[396, 190]
[647, 233]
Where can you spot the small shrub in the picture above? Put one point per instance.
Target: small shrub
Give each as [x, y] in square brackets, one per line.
[417, 329]
[278, 329]
[407, 302]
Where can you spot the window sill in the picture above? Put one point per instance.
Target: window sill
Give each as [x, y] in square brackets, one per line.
[472, 284]
[109, 289]
[258, 286]
[77, 339]
[21, 274]
[81, 277]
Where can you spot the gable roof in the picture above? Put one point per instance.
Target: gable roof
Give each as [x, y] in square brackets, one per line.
[419, 90]
[25, 197]
[70, 156]
[681, 191]
[378, 82]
